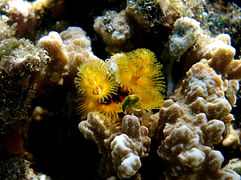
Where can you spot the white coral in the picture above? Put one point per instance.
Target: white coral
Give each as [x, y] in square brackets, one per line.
[185, 34]
[192, 157]
[129, 147]
[128, 161]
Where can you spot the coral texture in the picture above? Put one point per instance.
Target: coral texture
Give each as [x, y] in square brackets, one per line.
[122, 146]
[232, 137]
[151, 121]
[78, 49]
[53, 44]
[148, 14]
[194, 117]
[67, 50]
[114, 29]
[234, 164]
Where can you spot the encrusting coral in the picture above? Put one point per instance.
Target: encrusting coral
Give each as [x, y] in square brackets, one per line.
[122, 146]
[194, 118]
[122, 31]
[114, 29]
[146, 13]
[20, 64]
[173, 10]
[222, 15]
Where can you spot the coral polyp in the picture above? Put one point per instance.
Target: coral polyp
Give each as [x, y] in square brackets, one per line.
[96, 81]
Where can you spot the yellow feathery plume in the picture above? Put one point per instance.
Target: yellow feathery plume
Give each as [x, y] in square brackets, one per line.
[88, 104]
[85, 105]
[137, 73]
[96, 84]
[96, 81]
[140, 73]
[150, 99]
[139, 69]
[109, 110]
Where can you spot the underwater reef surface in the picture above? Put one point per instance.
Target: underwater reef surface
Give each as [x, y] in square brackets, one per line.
[120, 89]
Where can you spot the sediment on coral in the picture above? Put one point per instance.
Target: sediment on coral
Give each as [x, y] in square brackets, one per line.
[186, 33]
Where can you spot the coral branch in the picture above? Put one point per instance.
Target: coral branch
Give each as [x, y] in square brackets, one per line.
[122, 146]
[194, 118]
